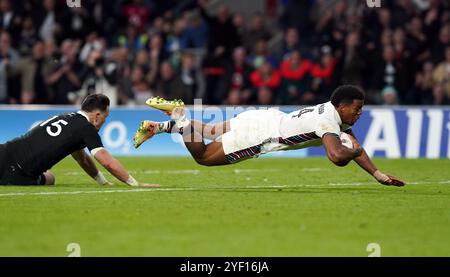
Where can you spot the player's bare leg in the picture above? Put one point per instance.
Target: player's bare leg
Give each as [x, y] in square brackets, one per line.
[193, 132]
[193, 135]
[206, 154]
[147, 129]
[210, 131]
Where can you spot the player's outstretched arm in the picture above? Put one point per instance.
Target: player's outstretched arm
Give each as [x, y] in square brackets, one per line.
[116, 169]
[88, 165]
[336, 152]
[366, 163]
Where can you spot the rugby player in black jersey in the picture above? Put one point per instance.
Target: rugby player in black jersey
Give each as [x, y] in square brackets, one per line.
[27, 159]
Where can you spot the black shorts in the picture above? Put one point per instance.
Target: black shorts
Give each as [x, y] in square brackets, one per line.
[12, 174]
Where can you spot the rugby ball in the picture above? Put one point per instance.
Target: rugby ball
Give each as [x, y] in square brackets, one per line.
[346, 141]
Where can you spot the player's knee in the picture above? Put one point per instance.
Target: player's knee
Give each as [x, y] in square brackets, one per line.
[204, 161]
[341, 163]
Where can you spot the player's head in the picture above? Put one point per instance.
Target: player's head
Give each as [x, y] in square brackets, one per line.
[348, 101]
[97, 108]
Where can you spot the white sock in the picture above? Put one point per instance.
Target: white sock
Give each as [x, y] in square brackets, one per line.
[165, 127]
[181, 122]
[173, 126]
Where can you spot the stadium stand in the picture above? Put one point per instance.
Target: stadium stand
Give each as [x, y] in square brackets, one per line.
[282, 52]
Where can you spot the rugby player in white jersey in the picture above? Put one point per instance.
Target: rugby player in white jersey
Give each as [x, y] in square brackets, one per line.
[257, 132]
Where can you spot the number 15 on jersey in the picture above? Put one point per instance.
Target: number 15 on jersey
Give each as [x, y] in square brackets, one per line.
[55, 128]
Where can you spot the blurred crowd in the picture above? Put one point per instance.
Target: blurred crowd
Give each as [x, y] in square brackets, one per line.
[294, 52]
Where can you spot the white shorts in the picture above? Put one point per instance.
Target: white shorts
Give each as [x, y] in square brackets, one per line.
[251, 134]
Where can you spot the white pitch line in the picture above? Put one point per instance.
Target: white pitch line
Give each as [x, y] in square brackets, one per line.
[153, 190]
[46, 193]
[186, 171]
[91, 191]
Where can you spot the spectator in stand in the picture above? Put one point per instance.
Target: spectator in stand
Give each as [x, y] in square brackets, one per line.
[385, 72]
[432, 18]
[323, 76]
[389, 96]
[417, 39]
[422, 92]
[63, 77]
[221, 24]
[296, 15]
[98, 76]
[92, 41]
[332, 25]
[32, 71]
[174, 41]
[47, 20]
[142, 60]
[190, 77]
[137, 14]
[377, 22]
[213, 68]
[169, 84]
[120, 58]
[384, 21]
[157, 27]
[290, 43]
[403, 10]
[196, 33]
[438, 48]
[403, 64]
[237, 76]
[76, 23]
[265, 96]
[10, 20]
[156, 57]
[265, 79]
[352, 64]
[103, 17]
[132, 39]
[140, 88]
[27, 36]
[295, 72]
[440, 96]
[239, 23]
[8, 57]
[441, 74]
[257, 30]
[387, 39]
[261, 55]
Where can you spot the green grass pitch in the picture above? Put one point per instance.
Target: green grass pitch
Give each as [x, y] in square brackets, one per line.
[262, 207]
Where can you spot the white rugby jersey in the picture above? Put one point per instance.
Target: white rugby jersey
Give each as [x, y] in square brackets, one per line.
[304, 128]
[257, 132]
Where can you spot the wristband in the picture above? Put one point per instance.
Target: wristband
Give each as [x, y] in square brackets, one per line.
[132, 182]
[380, 176]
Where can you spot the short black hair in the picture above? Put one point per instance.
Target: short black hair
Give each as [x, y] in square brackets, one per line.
[95, 102]
[345, 94]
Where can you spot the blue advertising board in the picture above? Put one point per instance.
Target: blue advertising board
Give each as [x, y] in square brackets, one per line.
[397, 132]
